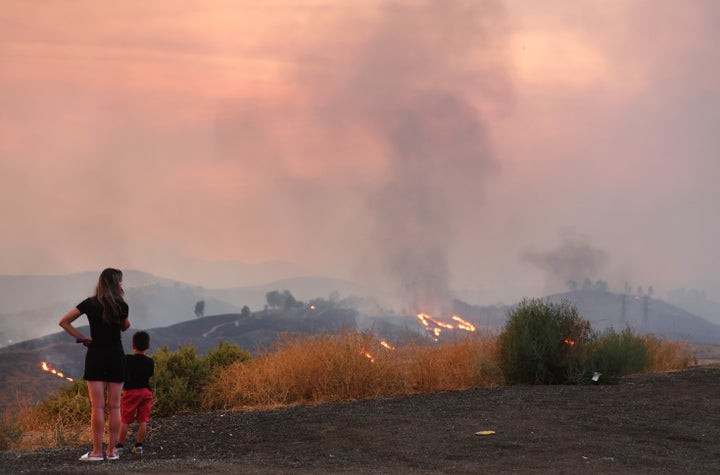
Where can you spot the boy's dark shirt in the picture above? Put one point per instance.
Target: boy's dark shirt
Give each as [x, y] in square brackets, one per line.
[140, 368]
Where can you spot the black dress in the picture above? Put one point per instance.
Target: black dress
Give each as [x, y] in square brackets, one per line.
[105, 358]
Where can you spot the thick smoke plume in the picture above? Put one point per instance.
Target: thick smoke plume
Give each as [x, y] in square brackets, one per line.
[575, 259]
[420, 95]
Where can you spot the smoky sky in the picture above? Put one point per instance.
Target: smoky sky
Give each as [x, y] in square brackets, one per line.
[410, 94]
[419, 146]
[411, 91]
[574, 259]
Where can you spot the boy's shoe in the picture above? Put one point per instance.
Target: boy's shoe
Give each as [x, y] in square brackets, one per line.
[137, 450]
[119, 450]
[115, 456]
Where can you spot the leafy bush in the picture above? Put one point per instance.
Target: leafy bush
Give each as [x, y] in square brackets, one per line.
[224, 355]
[69, 406]
[611, 353]
[537, 342]
[65, 414]
[180, 376]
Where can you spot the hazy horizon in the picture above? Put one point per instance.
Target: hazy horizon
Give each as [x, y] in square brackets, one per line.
[486, 149]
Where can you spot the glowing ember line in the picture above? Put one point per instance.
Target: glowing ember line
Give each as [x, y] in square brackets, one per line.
[424, 317]
[387, 345]
[463, 324]
[46, 367]
[437, 325]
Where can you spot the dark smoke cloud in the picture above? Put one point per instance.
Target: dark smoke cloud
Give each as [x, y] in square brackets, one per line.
[412, 82]
[575, 259]
[416, 93]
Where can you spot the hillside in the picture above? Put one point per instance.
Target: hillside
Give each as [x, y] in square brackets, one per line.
[20, 362]
[648, 423]
[643, 314]
[31, 306]
[165, 309]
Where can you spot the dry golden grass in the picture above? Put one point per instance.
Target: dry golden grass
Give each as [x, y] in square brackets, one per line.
[310, 370]
[668, 355]
[353, 366]
[39, 428]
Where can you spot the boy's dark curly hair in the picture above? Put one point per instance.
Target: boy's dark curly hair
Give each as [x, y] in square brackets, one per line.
[141, 341]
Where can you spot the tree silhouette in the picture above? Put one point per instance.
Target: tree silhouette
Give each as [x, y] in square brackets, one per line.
[285, 299]
[200, 308]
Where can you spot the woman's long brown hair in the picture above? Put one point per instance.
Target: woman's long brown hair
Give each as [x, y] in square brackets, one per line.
[110, 294]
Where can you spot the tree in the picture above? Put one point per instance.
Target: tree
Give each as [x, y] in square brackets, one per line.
[275, 299]
[290, 301]
[285, 299]
[601, 286]
[200, 309]
[245, 312]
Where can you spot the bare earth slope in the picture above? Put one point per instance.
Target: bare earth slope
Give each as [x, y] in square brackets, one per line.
[657, 423]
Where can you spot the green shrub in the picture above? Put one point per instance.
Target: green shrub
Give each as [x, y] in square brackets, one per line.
[537, 342]
[224, 355]
[613, 354]
[181, 376]
[68, 407]
[67, 412]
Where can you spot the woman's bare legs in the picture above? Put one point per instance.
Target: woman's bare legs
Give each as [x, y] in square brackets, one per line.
[96, 390]
[113, 395]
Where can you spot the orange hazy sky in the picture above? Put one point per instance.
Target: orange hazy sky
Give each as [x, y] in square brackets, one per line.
[494, 149]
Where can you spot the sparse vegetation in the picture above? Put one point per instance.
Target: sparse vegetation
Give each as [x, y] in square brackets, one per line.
[10, 431]
[542, 343]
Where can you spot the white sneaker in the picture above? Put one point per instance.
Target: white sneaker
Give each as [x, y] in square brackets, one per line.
[137, 450]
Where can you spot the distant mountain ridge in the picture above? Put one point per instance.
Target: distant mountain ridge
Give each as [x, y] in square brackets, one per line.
[259, 329]
[642, 313]
[31, 306]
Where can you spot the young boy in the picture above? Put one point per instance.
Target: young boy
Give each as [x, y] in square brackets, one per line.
[137, 398]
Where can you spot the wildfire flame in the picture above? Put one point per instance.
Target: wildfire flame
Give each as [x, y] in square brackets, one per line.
[387, 345]
[369, 356]
[463, 325]
[438, 327]
[569, 341]
[47, 367]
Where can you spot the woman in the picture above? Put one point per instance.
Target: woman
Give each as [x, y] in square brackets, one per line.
[107, 313]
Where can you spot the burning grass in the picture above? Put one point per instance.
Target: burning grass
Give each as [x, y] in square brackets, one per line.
[315, 369]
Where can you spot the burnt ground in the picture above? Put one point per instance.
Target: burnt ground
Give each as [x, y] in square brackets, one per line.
[653, 423]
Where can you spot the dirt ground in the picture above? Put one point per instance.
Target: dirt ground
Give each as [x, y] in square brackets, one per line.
[655, 423]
